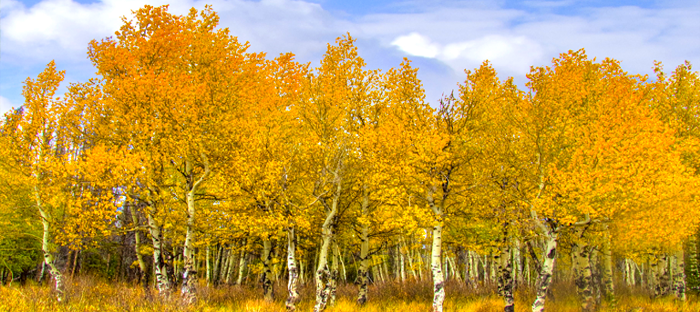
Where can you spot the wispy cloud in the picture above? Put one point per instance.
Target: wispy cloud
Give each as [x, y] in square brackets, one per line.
[444, 37]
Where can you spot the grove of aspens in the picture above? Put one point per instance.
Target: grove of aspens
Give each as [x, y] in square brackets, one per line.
[192, 174]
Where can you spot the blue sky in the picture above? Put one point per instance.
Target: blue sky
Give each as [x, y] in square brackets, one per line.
[441, 37]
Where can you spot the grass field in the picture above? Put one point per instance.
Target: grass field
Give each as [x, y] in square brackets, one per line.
[90, 294]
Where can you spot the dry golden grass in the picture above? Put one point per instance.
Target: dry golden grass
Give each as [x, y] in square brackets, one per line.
[90, 294]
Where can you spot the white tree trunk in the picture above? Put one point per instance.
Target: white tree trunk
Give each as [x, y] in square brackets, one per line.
[436, 268]
[292, 283]
[267, 273]
[679, 288]
[161, 276]
[46, 250]
[241, 264]
[505, 278]
[362, 272]
[545, 276]
[607, 274]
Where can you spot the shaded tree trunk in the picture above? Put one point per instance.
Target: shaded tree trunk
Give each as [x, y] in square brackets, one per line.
[159, 266]
[582, 271]
[323, 273]
[545, 276]
[189, 277]
[143, 270]
[362, 272]
[241, 264]
[505, 278]
[607, 273]
[265, 278]
[333, 282]
[679, 285]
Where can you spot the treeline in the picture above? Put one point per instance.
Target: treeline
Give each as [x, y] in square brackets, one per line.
[188, 158]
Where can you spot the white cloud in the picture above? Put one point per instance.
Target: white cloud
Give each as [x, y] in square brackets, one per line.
[415, 44]
[58, 28]
[7, 5]
[451, 34]
[62, 28]
[516, 53]
[515, 40]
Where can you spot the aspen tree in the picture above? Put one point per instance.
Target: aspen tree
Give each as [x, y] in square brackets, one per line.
[176, 105]
[382, 209]
[33, 132]
[487, 103]
[577, 132]
[329, 96]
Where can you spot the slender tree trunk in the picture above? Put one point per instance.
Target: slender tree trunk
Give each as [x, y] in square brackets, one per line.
[189, 277]
[505, 279]
[385, 265]
[446, 268]
[159, 267]
[231, 264]
[46, 250]
[528, 276]
[395, 267]
[679, 285]
[494, 269]
[333, 283]
[143, 270]
[408, 253]
[607, 273]
[75, 262]
[362, 273]
[292, 283]
[208, 267]
[628, 270]
[582, 272]
[323, 273]
[241, 264]
[226, 267]
[436, 268]
[517, 264]
[485, 266]
[469, 268]
[633, 272]
[436, 251]
[652, 276]
[545, 275]
[267, 273]
[276, 271]
[662, 276]
[455, 269]
[693, 277]
[596, 280]
[40, 276]
[218, 264]
[419, 255]
[475, 268]
[342, 263]
[402, 263]
[302, 279]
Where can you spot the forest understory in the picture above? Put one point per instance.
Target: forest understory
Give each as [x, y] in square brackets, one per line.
[87, 293]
